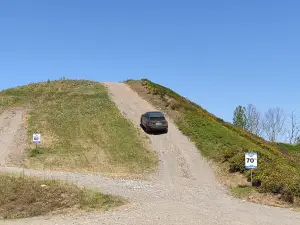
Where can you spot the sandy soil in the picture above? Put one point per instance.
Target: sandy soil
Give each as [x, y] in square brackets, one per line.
[12, 137]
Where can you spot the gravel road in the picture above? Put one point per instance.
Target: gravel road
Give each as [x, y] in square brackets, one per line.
[184, 190]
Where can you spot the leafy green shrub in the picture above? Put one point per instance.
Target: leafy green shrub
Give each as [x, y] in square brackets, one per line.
[35, 152]
[237, 163]
[279, 177]
[229, 153]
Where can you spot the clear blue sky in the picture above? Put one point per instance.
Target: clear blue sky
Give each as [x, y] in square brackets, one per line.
[217, 53]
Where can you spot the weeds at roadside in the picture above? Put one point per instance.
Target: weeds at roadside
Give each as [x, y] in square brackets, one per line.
[35, 152]
[242, 191]
[22, 196]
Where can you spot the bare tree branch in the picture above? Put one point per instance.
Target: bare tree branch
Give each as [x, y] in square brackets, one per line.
[273, 123]
[294, 130]
[253, 120]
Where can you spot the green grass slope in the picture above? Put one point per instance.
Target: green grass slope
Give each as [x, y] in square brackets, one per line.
[278, 171]
[291, 148]
[81, 129]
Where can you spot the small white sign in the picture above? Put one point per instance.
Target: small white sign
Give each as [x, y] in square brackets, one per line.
[36, 137]
[251, 160]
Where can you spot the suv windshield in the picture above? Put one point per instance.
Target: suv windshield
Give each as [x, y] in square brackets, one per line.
[161, 118]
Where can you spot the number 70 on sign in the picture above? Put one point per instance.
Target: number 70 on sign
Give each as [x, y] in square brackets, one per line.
[251, 160]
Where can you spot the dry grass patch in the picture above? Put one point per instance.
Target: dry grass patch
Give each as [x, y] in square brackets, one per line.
[22, 196]
[250, 194]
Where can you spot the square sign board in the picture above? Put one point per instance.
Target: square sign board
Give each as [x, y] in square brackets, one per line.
[250, 160]
[36, 137]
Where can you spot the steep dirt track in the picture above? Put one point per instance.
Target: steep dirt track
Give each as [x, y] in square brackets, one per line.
[12, 137]
[180, 163]
[183, 191]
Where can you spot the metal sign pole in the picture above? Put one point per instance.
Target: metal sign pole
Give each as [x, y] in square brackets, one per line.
[251, 178]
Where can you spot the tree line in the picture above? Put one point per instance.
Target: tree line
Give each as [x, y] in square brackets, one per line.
[271, 125]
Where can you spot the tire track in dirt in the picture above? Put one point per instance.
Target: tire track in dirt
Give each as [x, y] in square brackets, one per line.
[12, 137]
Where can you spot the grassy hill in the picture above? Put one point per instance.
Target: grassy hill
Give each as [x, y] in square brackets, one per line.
[81, 129]
[278, 171]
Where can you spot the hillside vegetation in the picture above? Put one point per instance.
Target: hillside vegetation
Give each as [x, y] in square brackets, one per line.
[289, 147]
[81, 129]
[278, 171]
[293, 150]
[21, 196]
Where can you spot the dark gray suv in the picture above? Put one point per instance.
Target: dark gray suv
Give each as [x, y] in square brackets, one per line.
[154, 121]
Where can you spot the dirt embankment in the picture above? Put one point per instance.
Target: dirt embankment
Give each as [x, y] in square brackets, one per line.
[13, 138]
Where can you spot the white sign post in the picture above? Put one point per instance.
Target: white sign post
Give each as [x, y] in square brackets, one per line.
[251, 162]
[36, 138]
